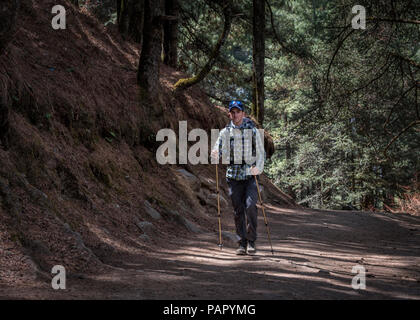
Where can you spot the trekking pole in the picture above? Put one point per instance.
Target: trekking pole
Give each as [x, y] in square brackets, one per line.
[265, 218]
[218, 208]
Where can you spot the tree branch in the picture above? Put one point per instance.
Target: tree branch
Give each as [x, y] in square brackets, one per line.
[393, 107]
[409, 61]
[183, 84]
[225, 102]
[393, 20]
[276, 36]
[412, 124]
[335, 53]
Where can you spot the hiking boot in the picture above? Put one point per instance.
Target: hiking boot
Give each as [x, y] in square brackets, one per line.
[251, 247]
[241, 250]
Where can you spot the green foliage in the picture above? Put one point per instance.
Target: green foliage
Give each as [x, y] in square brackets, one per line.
[335, 97]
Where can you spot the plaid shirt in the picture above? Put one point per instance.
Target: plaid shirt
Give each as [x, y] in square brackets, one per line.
[236, 147]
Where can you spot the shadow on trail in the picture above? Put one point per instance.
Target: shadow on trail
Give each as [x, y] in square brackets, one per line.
[194, 267]
[314, 252]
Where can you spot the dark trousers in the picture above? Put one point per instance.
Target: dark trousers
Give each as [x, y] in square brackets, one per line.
[243, 194]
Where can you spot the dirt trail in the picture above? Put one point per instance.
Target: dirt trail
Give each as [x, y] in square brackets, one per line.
[315, 252]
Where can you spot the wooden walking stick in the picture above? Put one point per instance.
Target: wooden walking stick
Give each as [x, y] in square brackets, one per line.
[265, 218]
[218, 208]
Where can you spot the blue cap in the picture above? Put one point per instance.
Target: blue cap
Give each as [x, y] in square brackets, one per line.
[236, 104]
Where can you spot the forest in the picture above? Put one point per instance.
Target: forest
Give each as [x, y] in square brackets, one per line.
[88, 210]
[341, 103]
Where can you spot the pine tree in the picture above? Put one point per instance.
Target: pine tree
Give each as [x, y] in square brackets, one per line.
[258, 28]
[150, 57]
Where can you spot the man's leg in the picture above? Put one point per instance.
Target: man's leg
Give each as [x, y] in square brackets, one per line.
[251, 211]
[236, 193]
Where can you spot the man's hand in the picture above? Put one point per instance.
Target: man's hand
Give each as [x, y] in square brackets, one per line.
[255, 171]
[215, 155]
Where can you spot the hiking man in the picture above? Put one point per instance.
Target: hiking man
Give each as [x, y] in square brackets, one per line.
[241, 147]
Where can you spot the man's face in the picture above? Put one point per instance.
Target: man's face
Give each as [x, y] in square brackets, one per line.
[236, 116]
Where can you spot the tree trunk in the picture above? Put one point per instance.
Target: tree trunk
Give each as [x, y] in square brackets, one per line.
[122, 16]
[130, 18]
[135, 25]
[258, 44]
[186, 83]
[150, 56]
[170, 34]
[288, 156]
